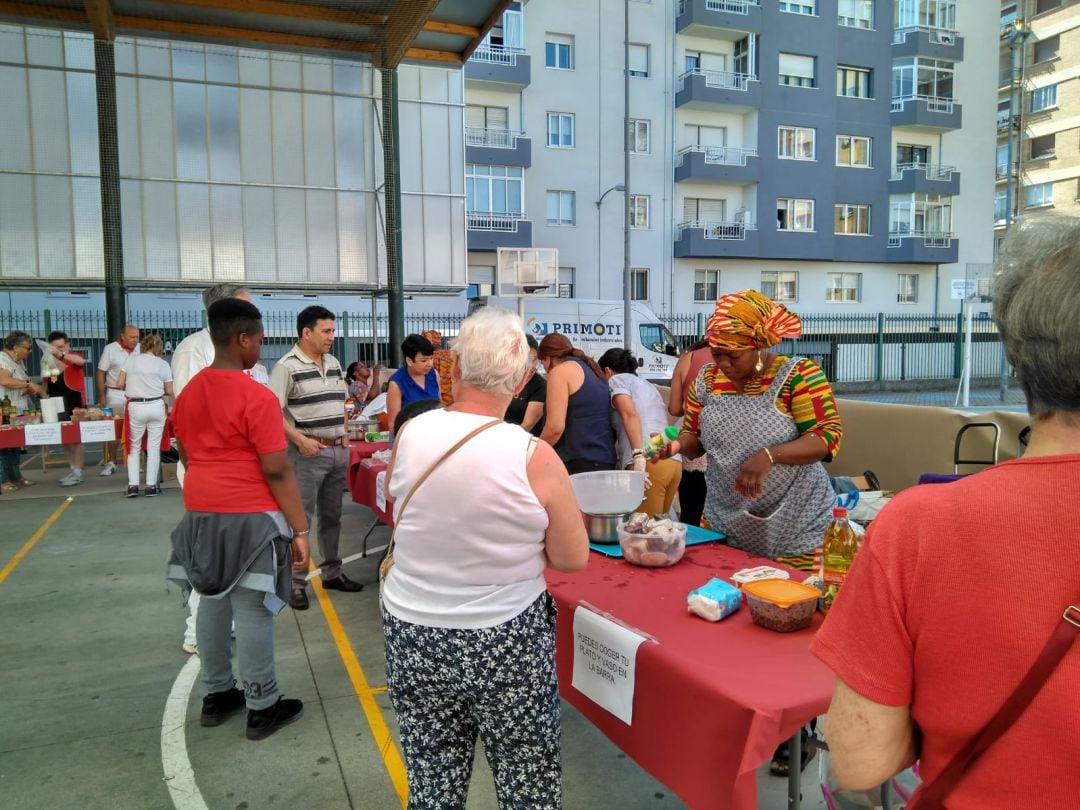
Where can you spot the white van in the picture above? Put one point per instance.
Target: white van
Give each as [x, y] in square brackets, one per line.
[595, 326]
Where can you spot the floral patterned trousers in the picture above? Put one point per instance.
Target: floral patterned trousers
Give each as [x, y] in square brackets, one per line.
[449, 685]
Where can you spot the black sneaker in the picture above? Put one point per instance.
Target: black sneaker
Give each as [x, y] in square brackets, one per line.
[218, 706]
[152, 492]
[133, 492]
[262, 723]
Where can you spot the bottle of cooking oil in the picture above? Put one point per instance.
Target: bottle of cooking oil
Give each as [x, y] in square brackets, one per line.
[837, 555]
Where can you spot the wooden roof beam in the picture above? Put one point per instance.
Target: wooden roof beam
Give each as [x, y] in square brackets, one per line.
[400, 31]
[51, 13]
[100, 15]
[451, 28]
[279, 8]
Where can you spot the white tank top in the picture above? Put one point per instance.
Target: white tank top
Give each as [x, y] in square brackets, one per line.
[469, 550]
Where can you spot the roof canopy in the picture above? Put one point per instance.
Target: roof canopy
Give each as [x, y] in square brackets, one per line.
[385, 32]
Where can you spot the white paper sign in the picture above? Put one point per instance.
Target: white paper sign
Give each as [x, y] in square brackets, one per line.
[103, 431]
[45, 433]
[380, 490]
[605, 658]
[962, 288]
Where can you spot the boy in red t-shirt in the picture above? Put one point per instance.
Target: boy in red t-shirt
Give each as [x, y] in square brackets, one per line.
[234, 545]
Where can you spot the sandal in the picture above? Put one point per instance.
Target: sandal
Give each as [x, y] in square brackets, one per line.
[25, 482]
[779, 765]
[6, 487]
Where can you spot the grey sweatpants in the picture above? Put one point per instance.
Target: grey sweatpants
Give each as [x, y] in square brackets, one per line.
[254, 645]
[321, 479]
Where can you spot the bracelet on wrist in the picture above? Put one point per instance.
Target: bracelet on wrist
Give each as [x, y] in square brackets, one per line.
[769, 454]
[304, 533]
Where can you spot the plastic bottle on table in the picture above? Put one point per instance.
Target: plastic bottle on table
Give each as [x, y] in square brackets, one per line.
[837, 555]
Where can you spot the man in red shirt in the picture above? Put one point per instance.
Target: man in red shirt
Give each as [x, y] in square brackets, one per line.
[959, 587]
[233, 545]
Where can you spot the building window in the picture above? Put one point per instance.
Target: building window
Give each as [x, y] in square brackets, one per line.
[851, 220]
[1046, 5]
[908, 154]
[1043, 98]
[639, 210]
[559, 52]
[1001, 207]
[639, 136]
[781, 286]
[561, 130]
[797, 7]
[853, 150]
[843, 288]
[926, 13]
[1043, 147]
[480, 117]
[796, 143]
[561, 208]
[1039, 195]
[566, 282]
[507, 33]
[856, 13]
[797, 70]
[1046, 49]
[794, 215]
[907, 291]
[639, 284]
[853, 82]
[639, 61]
[922, 78]
[494, 189]
[706, 285]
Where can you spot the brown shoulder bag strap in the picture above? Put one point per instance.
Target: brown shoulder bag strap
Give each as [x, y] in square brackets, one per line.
[932, 796]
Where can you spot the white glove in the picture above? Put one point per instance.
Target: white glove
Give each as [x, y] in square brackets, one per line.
[639, 462]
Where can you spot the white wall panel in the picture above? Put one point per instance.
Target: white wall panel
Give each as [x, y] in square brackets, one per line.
[159, 230]
[44, 47]
[347, 77]
[82, 123]
[192, 159]
[79, 51]
[86, 208]
[317, 74]
[318, 140]
[260, 248]
[223, 105]
[227, 232]
[322, 237]
[290, 231]
[127, 125]
[349, 143]
[412, 238]
[351, 236]
[254, 67]
[193, 218]
[153, 58]
[18, 238]
[12, 44]
[288, 138]
[124, 55]
[256, 155]
[48, 121]
[56, 251]
[222, 64]
[131, 214]
[434, 147]
[188, 61]
[285, 71]
[411, 146]
[156, 127]
[438, 244]
[15, 120]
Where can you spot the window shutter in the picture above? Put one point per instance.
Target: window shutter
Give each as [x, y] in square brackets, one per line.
[795, 65]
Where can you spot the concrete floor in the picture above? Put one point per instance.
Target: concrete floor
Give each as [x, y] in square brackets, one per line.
[90, 652]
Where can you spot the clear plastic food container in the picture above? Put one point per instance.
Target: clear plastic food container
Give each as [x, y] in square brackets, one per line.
[655, 549]
[781, 604]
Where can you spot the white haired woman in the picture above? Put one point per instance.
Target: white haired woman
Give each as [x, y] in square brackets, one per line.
[468, 622]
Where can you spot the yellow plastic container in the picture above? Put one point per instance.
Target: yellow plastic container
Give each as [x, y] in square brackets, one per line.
[781, 604]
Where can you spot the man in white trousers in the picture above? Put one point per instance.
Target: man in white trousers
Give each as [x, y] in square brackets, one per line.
[195, 353]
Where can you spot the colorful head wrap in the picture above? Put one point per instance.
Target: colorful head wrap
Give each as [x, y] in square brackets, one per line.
[749, 320]
[434, 337]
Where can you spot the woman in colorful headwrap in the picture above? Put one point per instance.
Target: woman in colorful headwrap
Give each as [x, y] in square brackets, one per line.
[766, 421]
[441, 361]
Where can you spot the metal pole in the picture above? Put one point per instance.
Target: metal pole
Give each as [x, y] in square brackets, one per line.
[391, 141]
[1016, 53]
[966, 378]
[109, 161]
[628, 317]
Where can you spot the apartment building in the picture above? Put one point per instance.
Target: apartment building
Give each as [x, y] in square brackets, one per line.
[1039, 55]
[832, 153]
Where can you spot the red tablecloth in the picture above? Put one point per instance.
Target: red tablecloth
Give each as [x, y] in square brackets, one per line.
[711, 701]
[14, 436]
[358, 451]
[362, 477]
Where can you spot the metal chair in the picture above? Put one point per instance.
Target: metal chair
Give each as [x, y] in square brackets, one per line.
[958, 460]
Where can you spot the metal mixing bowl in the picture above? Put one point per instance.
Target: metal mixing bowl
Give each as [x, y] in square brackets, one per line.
[603, 529]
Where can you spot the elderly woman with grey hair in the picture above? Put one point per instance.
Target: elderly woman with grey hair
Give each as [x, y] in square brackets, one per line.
[468, 622]
[17, 387]
[960, 588]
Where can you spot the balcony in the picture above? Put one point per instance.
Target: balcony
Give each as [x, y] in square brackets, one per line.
[718, 19]
[497, 65]
[701, 240]
[708, 89]
[498, 147]
[926, 112]
[924, 40]
[928, 247]
[925, 178]
[717, 164]
[488, 231]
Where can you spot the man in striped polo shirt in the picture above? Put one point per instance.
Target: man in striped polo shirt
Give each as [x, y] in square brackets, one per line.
[311, 389]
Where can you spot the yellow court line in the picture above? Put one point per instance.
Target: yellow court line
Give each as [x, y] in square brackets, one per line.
[392, 761]
[29, 544]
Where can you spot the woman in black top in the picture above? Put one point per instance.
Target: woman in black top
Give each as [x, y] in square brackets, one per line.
[527, 406]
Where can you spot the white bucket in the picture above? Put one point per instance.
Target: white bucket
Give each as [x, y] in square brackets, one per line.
[51, 408]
